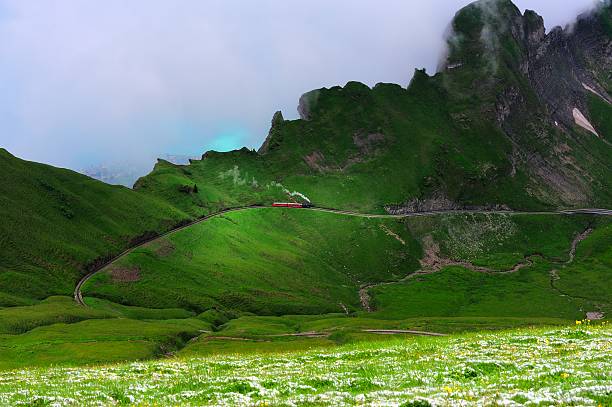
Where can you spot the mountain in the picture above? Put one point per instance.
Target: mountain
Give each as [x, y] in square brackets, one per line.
[515, 118]
[57, 223]
[548, 94]
[121, 173]
[114, 174]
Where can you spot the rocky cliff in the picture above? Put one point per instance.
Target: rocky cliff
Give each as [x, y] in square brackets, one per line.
[538, 87]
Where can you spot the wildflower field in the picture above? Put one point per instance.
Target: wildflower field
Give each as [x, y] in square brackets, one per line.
[537, 366]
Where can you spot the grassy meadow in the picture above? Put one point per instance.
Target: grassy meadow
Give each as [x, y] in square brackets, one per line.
[534, 366]
[268, 306]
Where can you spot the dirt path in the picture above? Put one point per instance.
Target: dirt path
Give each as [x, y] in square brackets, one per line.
[229, 338]
[319, 335]
[302, 335]
[434, 263]
[555, 277]
[364, 290]
[576, 242]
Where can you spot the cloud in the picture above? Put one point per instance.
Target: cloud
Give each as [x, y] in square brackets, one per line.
[85, 81]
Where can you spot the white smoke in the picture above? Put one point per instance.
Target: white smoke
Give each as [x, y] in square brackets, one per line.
[295, 193]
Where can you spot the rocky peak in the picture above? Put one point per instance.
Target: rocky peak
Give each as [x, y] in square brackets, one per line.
[568, 65]
[534, 29]
[277, 118]
[277, 121]
[538, 87]
[564, 66]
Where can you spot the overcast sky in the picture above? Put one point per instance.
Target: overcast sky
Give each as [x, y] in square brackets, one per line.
[88, 81]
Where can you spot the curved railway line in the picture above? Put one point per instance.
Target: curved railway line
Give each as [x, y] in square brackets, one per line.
[78, 295]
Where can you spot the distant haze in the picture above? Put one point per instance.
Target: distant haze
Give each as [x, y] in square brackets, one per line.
[85, 82]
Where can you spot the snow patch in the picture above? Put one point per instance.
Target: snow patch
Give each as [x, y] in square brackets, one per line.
[593, 91]
[582, 121]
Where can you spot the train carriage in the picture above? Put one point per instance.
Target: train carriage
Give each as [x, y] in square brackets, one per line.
[291, 205]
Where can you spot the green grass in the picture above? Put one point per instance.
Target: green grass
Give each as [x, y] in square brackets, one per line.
[96, 341]
[266, 261]
[499, 242]
[588, 277]
[55, 223]
[137, 312]
[260, 327]
[601, 111]
[460, 292]
[209, 346]
[551, 366]
[298, 267]
[279, 262]
[17, 320]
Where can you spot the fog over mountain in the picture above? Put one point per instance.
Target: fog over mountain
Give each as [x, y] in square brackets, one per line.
[91, 81]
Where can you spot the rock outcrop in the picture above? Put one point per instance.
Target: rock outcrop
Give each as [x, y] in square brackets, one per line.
[539, 85]
[307, 103]
[566, 65]
[277, 120]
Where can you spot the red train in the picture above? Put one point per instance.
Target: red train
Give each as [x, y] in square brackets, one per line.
[291, 205]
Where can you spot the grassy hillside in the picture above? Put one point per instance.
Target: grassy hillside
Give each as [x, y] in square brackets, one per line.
[476, 135]
[552, 283]
[276, 262]
[96, 341]
[266, 261]
[530, 366]
[56, 222]
[365, 149]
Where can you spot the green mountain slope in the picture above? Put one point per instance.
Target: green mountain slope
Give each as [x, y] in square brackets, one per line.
[265, 261]
[489, 130]
[279, 262]
[56, 222]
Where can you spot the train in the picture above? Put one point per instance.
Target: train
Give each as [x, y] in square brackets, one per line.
[291, 205]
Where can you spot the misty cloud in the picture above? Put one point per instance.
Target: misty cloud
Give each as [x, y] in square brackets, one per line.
[86, 81]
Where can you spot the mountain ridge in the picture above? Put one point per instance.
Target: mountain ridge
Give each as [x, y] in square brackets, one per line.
[491, 129]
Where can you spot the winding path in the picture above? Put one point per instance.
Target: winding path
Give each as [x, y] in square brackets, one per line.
[78, 295]
[438, 264]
